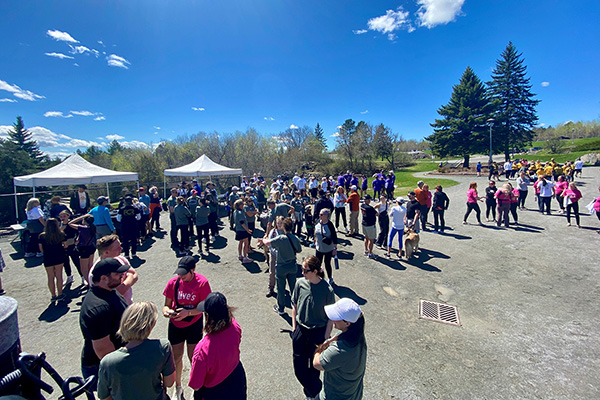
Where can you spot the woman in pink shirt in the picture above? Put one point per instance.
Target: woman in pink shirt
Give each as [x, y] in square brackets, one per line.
[572, 196]
[559, 187]
[472, 199]
[503, 196]
[217, 372]
[514, 202]
[597, 207]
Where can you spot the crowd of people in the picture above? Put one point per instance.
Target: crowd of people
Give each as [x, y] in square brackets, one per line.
[282, 216]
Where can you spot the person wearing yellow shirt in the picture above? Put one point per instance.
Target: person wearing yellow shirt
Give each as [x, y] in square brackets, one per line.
[548, 169]
[558, 171]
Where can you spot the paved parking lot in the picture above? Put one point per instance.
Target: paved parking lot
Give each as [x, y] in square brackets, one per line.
[527, 298]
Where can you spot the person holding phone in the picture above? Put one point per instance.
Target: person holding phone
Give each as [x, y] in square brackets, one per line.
[182, 294]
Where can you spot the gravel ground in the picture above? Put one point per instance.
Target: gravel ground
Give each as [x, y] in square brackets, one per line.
[526, 298]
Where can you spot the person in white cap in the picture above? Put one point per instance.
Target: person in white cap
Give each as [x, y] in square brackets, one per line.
[343, 357]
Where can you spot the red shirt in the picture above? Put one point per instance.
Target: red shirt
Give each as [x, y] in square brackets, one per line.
[189, 294]
[354, 200]
[215, 357]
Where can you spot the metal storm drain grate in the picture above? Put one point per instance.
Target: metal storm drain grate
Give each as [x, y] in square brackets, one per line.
[439, 312]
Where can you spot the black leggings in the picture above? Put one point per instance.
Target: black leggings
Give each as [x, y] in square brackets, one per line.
[574, 207]
[522, 197]
[471, 207]
[438, 219]
[513, 211]
[490, 205]
[340, 211]
[234, 387]
[203, 233]
[73, 254]
[327, 257]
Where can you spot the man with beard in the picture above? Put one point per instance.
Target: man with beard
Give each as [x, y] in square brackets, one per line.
[100, 315]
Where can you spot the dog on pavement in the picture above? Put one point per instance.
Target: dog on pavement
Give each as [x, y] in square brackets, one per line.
[411, 242]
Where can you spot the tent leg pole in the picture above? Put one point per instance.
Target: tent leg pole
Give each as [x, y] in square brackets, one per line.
[107, 192]
[16, 204]
[164, 186]
[138, 185]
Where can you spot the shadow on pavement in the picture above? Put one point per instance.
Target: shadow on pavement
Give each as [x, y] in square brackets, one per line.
[219, 243]
[343, 291]
[345, 255]
[55, 310]
[211, 258]
[136, 262]
[393, 262]
[420, 258]
[252, 267]
[455, 235]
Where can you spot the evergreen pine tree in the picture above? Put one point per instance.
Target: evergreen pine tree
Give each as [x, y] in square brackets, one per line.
[515, 115]
[462, 129]
[22, 139]
[320, 136]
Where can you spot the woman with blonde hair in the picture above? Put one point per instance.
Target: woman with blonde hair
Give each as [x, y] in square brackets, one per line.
[143, 368]
[51, 244]
[339, 202]
[503, 196]
[35, 225]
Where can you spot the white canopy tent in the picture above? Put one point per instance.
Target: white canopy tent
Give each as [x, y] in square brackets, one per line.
[203, 166]
[74, 170]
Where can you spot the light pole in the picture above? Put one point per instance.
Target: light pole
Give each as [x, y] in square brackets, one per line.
[491, 122]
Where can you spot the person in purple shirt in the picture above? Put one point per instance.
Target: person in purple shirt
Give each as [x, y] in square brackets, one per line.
[364, 185]
[389, 187]
[378, 186]
[341, 180]
[354, 180]
[347, 179]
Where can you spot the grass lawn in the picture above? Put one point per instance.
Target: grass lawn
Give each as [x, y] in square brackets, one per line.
[405, 181]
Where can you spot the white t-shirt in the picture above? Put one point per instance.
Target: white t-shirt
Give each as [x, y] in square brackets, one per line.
[301, 184]
[35, 213]
[579, 164]
[545, 190]
[397, 214]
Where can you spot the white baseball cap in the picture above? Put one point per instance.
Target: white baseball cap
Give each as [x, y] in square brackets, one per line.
[353, 187]
[344, 310]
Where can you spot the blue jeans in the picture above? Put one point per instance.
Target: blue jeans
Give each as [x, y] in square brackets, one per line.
[393, 232]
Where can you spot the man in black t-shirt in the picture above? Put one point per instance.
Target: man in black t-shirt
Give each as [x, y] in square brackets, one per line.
[413, 211]
[369, 217]
[100, 315]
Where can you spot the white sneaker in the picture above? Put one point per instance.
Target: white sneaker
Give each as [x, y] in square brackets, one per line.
[69, 279]
[212, 238]
[27, 255]
[203, 240]
[40, 254]
[179, 393]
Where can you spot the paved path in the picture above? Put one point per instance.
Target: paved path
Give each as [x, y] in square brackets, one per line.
[527, 299]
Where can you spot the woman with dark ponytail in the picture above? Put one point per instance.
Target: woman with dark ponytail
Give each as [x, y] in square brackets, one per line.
[310, 325]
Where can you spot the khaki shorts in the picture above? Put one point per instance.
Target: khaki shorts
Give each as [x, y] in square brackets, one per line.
[370, 232]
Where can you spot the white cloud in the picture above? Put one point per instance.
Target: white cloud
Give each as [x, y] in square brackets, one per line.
[100, 42]
[135, 144]
[75, 64]
[7, 101]
[84, 113]
[100, 118]
[45, 137]
[545, 84]
[292, 126]
[438, 12]
[61, 36]
[83, 50]
[364, 112]
[198, 108]
[56, 114]
[156, 133]
[339, 127]
[269, 119]
[75, 143]
[18, 92]
[117, 61]
[114, 137]
[60, 154]
[58, 55]
[337, 134]
[391, 22]
[359, 31]
[156, 127]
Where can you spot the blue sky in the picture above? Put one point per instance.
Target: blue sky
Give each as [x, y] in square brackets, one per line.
[142, 71]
